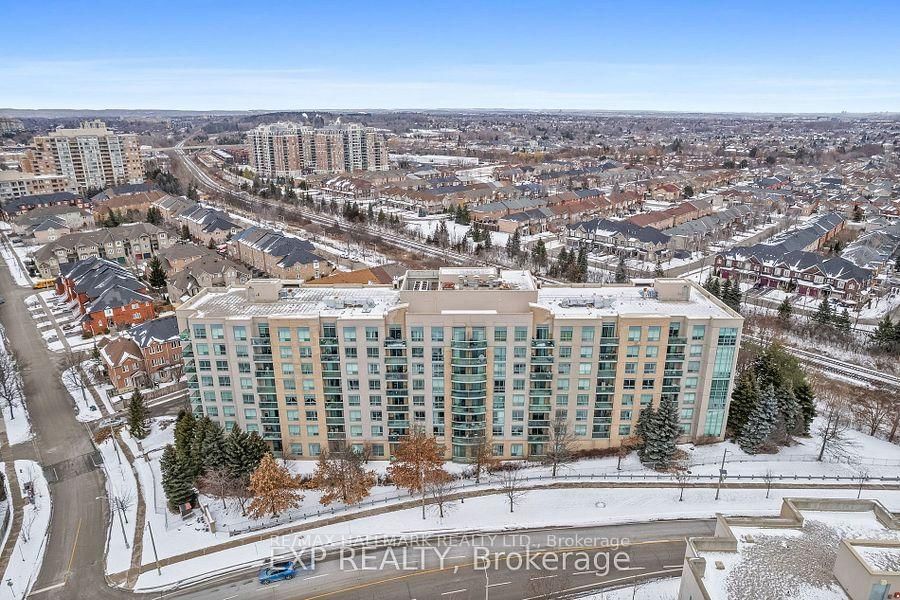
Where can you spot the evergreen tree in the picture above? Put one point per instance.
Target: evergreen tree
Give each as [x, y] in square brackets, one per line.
[539, 254]
[154, 217]
[195, 461]
[645, 416]
[184, 432]
[658, 272]
[661, 433]
[381, 217]
[842, 321]
[156, 276]
[213, 447]
[857, 213]
[744, 399]
[488, 242]
[790, 419]
[725, 291]
[176, 481]
[581, 266]
[823, 314]
[559, 267]
[784, 311]
[760, 423]
[715, 286]
[514, 245]
[733, 297]
[885, 336]
[621, 273]
[806, 402]
[138, 417]
[185, 232]
[243, 451]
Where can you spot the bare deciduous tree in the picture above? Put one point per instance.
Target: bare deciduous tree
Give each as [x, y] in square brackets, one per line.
[73, 374]
[682, 476]
[874, 408]
[512, 485]
[123, 500]
[833, 430]
[218, 483]
[768, 479]
[862, 476]
[10, 382]
[483, 458]
[559, 449]
[440, 492]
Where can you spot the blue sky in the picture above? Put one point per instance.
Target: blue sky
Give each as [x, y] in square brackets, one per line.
[788, 56]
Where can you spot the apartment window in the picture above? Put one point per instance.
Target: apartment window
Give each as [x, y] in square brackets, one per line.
[286, 352]
[625, 415]
[284, 334]
[652, 352]
[349, 334]
[634, 333]
[417, 334]
[565, 351]
[630, 368]
[371, 334]
[351, 352]
[648, 384]
[650, 369]
[627, 399]
[587, 352]
[199, 332]
[562, 399]
[584, 368]
[303, 334]
[653, 333]
[216, 332]
[312, 430]
[562, 384]
[499, 334]
[521, 334]
[632, 351]
[629, 384]
[239, 332]
[565, 334]
[373, 352]
[693, 366]
[241, 351]
[315, 449]
[698, 332]
[417, 352]
[587, 334]
[250, 413]
[437, 334]
[696, 350]
[564, 368]
[248, 399]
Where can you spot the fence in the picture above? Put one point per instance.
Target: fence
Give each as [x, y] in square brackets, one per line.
[619, 477]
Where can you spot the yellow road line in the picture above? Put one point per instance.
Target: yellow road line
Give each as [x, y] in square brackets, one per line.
[496, 554]
[74, 547]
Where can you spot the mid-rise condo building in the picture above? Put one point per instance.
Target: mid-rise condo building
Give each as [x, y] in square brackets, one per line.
[91, 156]
[467, 353]
[291, 150]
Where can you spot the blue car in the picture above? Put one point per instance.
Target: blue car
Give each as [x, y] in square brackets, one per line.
[277, 572]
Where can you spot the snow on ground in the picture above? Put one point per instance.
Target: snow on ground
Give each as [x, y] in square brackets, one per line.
[5, 505]
[538, 508]
[790, 563]
[86, 409]
[121, 491]
[657, 589]
[16, 421]
[18, 273]
[426, 226]
[32, 539]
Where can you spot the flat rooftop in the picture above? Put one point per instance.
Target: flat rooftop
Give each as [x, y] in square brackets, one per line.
[668, 298]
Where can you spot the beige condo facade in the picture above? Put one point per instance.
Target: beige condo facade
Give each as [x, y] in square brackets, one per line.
[466, 353]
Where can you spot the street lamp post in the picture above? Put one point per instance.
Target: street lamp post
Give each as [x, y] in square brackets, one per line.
[722, 474]
[153, 543]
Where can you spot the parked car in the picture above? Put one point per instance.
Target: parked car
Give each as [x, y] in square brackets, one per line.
[111, 422]
[2, 300]
[277, 572]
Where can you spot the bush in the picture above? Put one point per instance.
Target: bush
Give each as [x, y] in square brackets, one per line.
[706, 440]
[595, 453]
[86, 335]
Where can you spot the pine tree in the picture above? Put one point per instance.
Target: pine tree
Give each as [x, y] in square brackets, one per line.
[581, 266]
[857, 213]
[784, 311]
[488, 242]
[156, 275]
[418, 463]
[744, 399]
[823, 314]
[715, 287]
[138, 418]
[274, 489]
[341, 477]
[213, 447]
[806, 402]
[184, 432]
[185, 232]
[790, 419]
[621, 273]
[514, 245]
[195, 460]
[842, 321]
[659, 272]
[733, 297]
[539, 254]
[725, 291]
[661, 434]
[243, 451]
[176, 481]
[885, 336]
[381, 216]
[645, 416]
[761, 422]
[154, 217]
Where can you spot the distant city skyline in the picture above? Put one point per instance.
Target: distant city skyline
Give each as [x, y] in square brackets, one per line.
[820, 57]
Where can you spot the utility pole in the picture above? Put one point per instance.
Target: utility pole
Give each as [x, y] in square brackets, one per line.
[722, 474]
[153, 543]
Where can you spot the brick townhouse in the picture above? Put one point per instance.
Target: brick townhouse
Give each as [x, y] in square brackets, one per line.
[147, 354]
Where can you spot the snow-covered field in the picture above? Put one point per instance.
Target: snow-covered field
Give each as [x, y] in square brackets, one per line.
[85, 408]
[31, 543]
[426, 226]
[122, 496]
[19, 274]
[16, 421]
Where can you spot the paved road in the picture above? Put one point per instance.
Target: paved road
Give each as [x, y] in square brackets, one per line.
[447, 568]
[78, 526]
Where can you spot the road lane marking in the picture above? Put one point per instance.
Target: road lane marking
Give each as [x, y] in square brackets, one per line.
[231, 597]
[48, 588]
[315, 576]
[498, 584]
[453, 591]
[543, 577]
[455, 568]
[74, 547]
[634, 568]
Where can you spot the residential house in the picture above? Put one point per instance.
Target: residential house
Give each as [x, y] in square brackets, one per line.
[131, 244]
[147, 354]
[23, 204]
[619, 237]
[278, 255]
[205, 272]
[209, 225]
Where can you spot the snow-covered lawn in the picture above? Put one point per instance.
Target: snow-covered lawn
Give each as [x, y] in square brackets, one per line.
[657, 589]
[122, 494]
[538, 508]
[18, 273]
[426, 226]
[32, 539]
[16, 421]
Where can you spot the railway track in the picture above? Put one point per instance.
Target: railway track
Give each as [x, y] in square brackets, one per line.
[839, 367]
